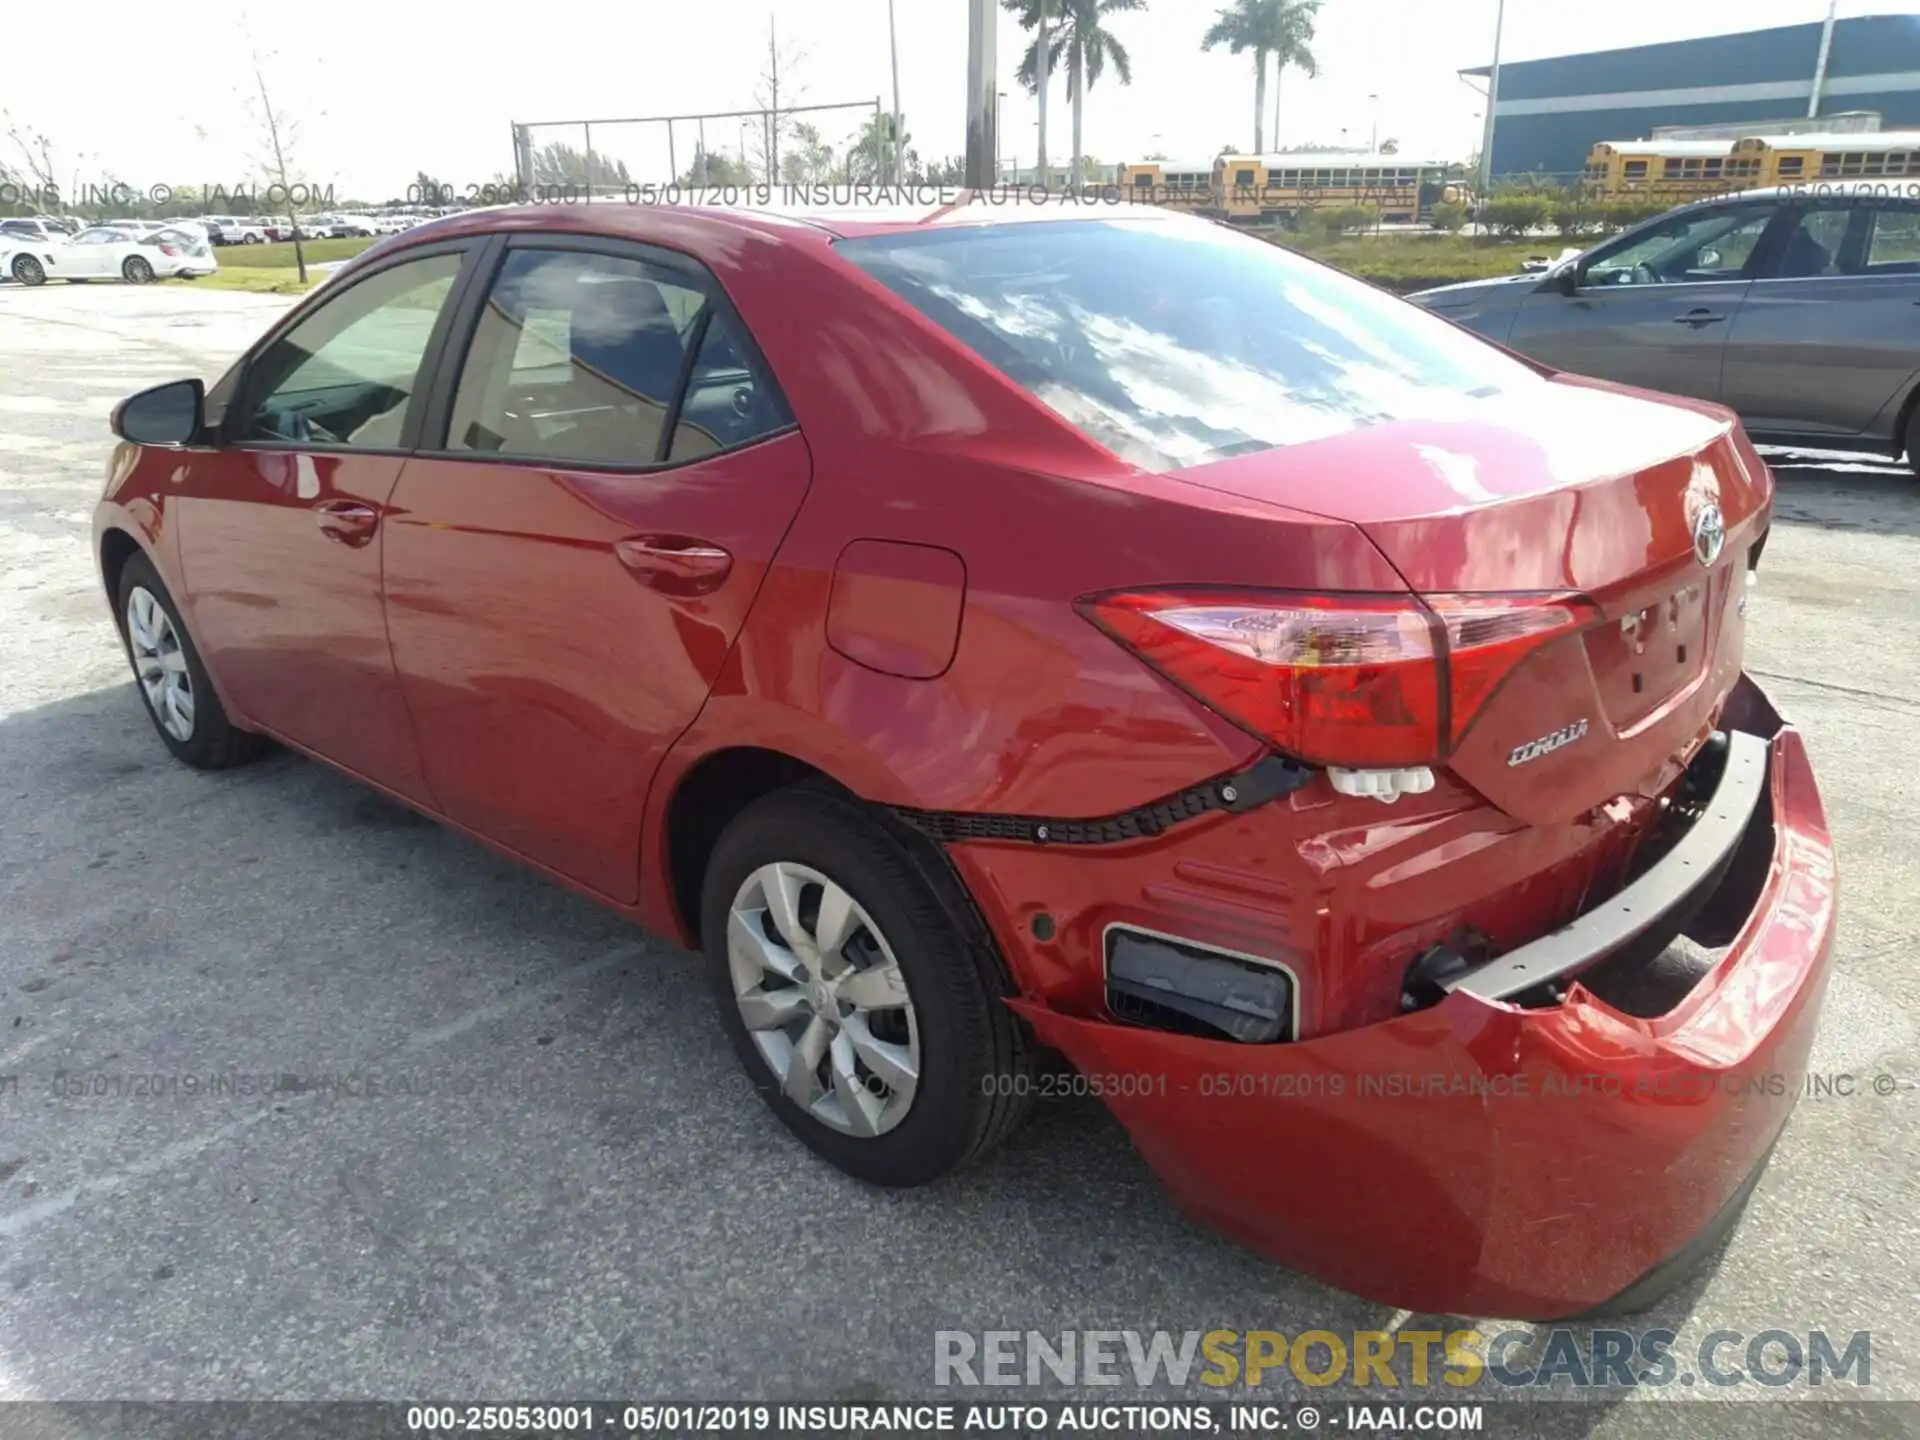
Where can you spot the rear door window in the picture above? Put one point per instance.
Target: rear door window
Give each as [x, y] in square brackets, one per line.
[1825, 241]
[1179, 343]
[597, 359]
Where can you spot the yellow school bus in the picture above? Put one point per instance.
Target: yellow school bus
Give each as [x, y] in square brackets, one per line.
[1252, 189]
[1177, 186]
[1889, 153]
[1669, 170]
[1677, 170]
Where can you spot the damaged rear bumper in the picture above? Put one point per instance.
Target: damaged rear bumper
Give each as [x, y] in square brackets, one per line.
[1481, 1158]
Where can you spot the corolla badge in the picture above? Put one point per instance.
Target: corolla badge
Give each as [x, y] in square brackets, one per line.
[1709, 533]
[1547, 744]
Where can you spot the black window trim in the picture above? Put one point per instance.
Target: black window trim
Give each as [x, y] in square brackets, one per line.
[242, 394]
[457, 343]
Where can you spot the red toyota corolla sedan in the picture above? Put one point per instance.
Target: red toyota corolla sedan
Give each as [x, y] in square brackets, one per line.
[994, 634]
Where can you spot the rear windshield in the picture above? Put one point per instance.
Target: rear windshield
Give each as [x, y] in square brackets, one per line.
[1175, 344]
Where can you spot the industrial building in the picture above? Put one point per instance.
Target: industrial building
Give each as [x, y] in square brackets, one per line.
[1550, 113]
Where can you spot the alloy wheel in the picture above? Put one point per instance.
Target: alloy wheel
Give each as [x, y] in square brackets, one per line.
[28, 271]
[822, 996]
[160, 663]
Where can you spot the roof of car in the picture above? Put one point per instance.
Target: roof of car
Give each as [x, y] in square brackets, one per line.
[1817, 190]
[909, 208]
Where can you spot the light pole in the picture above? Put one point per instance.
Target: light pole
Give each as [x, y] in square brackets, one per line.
[1043, 68]
[1373, 146]
[1820, 66]
[1493, 100]
[999, 101]
[899, 145]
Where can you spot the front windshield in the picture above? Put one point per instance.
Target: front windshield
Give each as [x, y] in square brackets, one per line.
[1175, 344]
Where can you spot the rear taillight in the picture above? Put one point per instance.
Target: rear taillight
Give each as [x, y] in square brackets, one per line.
[1360, 681]
[169, 250]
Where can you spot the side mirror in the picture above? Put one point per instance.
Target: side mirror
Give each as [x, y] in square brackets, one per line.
[1566, 279]
[170, 414]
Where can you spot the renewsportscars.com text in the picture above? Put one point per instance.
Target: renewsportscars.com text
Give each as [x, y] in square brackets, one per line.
[1514, 1359]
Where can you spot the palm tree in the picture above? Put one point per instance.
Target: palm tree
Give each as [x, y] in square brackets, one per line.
[1081, 37]
[1282, 29]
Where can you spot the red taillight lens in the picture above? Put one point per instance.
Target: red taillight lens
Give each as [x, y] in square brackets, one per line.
[1361, 681]
[169, 250]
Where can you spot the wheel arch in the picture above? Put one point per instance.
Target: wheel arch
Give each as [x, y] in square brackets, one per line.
[1903, 421]
[705, 799]
[117, 547]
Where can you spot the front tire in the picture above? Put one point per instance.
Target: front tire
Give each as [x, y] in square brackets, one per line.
[171, 678]
[137, 271]
[29, 271]
[860, 992]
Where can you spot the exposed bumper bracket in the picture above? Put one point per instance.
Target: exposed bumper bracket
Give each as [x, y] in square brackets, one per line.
[1266, 780]
[1636, 909]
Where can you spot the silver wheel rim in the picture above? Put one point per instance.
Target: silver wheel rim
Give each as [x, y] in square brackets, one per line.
[823, 996]
[138, 270]
[160, 663]
[28, 271]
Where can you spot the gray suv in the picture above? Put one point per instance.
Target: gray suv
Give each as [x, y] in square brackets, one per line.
[1798, 308]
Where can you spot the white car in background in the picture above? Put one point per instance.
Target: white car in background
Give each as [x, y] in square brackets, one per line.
[238, 230]
[109, 252]
[27, 260]
[18, 229]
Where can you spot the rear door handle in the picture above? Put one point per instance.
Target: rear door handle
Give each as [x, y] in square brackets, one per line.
[347, 521]
[675, 564]
[1699, 317]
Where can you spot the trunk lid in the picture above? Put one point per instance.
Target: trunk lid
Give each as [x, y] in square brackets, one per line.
[1570, 488]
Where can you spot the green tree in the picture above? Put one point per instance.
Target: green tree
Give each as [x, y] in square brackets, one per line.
[558, 163]
[809, 160]
[950, 171]
[710, 168]
[1278, 29]
[1081, 38]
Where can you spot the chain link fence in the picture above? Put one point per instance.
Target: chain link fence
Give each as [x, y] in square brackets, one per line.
[848, 143]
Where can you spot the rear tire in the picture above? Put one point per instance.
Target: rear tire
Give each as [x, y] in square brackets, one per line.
[167, 670]
[29, 271]
[925, 1026]
[137, 271]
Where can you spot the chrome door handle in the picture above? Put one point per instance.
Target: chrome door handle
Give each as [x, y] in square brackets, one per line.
[675, 564]
[347, 521]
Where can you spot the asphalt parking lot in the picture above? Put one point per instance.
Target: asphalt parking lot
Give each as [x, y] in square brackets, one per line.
[546, 1177]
